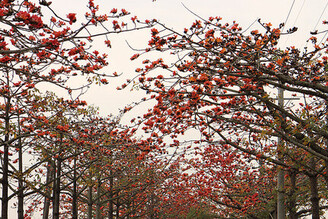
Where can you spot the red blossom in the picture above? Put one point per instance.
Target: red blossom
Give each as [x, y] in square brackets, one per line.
[134, 19]
[135, 56]
[36, 21]
[124, 12]
[72, 18]
[108, 43]
[104, 81]
[23, 16]
[154, 32]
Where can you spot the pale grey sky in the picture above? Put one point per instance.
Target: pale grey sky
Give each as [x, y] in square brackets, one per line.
[305, 14]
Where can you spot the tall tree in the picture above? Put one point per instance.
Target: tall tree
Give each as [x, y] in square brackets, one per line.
[35, 51]
[224, 82]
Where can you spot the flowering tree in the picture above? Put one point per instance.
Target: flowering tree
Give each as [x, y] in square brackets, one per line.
[35, 50]
[224, 84]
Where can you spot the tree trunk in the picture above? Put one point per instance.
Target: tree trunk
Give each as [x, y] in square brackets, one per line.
[74, 195]
[50, 174]
[314, 192]
[98, 205]
[118, 207]
[56, 201]
[111, 204]
[90, 202]
[326, 175]
[326, 162]
[292, 197]
[20, 210]
[5, 188]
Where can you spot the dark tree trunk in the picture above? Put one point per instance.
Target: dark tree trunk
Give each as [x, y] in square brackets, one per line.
[111, 204]
[314, 192]
[20, 210]
[292, 197]
[56, 199]
[56, 195]
[326, 175]
[74, 195]
[5, 188]
[98, 205]
[49, 179]
[118, 207]
[90, 201]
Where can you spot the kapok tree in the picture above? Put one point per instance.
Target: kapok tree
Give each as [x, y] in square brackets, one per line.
[33, 51]
[56, 149]
[224, 84]
[92, 164]
[84, 164]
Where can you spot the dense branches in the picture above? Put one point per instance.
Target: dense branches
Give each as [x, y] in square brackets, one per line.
[224, 84]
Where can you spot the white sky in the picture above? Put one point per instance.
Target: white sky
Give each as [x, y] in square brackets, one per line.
[305, 15]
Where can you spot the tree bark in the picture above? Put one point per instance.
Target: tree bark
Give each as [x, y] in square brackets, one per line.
[50, 174]
[5, 188]
[56, 201]
[292, 197]
[314, 192]
[111, 204]
[74, 195]
[118, 207]
[98, 205]
[20, 210]
[90, 202]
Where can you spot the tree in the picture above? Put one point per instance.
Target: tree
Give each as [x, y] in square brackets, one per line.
[35, 51]
[223, 83]
[88, 165]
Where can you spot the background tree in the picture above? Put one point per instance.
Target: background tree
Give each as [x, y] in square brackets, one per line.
[36, 51]
[223, 83]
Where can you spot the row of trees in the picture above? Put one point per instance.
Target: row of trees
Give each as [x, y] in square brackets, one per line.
[74, 162]
[60, 157]
[223, 83]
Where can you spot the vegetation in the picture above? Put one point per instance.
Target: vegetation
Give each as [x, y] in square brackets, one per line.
[60, 158]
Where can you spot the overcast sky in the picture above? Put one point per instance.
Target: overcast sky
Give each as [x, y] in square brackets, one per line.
[305, 14]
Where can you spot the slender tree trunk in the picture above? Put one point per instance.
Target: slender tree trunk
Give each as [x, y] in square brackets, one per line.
[98, 205]
[90, 202]
[117, 207]
[74, 195]
[56, 202]
[326, 162]
[326, 175]
[5, 188]
[292, 197]
[314, 192]
[49, 178]
[20, 210]
[326, 143]
[111, 204]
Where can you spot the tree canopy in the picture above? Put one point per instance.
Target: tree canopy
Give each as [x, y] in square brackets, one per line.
[233, 112]
[224, 83]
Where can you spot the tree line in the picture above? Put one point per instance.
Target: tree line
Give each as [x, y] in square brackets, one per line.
[60, 158]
